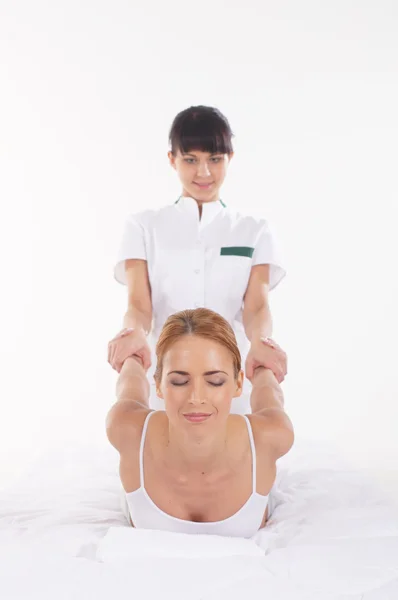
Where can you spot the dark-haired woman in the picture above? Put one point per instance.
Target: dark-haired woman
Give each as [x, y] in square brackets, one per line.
[199, 252]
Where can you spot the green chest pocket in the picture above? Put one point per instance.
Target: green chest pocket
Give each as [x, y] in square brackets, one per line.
[237, 251]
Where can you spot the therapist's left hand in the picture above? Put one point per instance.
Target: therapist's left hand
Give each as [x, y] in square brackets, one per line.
[264, 352]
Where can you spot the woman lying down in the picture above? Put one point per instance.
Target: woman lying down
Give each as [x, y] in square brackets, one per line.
[194, 467]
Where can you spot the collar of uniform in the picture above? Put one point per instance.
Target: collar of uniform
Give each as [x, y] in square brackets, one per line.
[209, 209]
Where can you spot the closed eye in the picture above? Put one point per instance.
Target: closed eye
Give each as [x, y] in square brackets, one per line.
[185, 382]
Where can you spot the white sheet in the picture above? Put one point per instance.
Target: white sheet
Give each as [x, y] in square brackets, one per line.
[127, 543]
[333, 536]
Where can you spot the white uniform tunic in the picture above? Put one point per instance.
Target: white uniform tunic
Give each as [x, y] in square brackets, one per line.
[199, 262]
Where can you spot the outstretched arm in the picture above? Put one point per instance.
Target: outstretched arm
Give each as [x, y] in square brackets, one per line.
[132, 391]
[266, 394]
[267, 403]
[132, 387]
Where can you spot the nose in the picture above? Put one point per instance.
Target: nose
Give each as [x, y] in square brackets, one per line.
[203, 169]
[197, 393]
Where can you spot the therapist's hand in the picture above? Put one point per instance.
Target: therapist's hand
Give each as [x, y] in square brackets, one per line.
[266, 353]
[129, 342]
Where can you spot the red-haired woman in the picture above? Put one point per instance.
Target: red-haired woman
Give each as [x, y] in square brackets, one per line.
[195, 467]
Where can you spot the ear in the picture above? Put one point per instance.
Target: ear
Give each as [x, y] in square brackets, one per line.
[159, 392]
[239, 384]
[172, 159]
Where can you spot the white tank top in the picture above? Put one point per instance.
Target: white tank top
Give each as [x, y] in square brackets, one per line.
[244, 523]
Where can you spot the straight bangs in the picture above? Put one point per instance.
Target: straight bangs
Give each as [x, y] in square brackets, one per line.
[204, 138]
[201, 128]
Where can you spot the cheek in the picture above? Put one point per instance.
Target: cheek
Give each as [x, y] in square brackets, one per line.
[220, 173]
[223, 395]
[185, 173]
[173, 395]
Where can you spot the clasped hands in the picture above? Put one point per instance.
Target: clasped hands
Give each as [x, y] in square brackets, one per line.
[264, 352]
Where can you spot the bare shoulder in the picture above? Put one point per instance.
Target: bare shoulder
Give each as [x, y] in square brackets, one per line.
[273, 430]
[124, 424]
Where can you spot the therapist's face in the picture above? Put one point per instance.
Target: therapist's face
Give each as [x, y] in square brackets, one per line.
[201, 173]
[198, 377]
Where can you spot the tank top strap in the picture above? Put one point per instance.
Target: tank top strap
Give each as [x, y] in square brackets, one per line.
[253, 449]
[143, 436]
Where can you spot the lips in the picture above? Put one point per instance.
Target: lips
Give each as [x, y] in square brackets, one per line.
[197, 417]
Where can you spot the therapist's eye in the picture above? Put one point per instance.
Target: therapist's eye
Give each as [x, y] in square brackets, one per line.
[189, 160]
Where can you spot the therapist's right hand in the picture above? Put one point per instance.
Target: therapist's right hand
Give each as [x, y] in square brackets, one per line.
[129, 342]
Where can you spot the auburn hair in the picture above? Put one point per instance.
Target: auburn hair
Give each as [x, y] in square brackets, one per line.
[202, 322]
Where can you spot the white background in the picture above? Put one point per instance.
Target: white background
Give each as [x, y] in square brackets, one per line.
[88, 93]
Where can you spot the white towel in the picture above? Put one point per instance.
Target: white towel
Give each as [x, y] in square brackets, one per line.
[126, 543]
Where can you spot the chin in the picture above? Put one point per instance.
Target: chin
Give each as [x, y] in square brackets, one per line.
[205, 195]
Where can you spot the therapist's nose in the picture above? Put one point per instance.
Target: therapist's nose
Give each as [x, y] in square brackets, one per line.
[203, 169]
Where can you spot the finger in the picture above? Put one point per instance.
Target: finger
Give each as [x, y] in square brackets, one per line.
[114, 352]
[147, 361]
[138, 359]
[249, 369]
[118, 358]
[110, 351]
[118, 364]
[145, 358]
[282, 368]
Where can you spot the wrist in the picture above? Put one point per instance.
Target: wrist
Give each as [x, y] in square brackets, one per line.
[259, 339]
[137, 320]
[138, 328]
[262, 376]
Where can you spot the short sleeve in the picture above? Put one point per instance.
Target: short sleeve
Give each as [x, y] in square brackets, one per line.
[132, 246]
[267, 252]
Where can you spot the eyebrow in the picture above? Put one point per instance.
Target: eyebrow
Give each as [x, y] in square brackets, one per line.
[207, 372]
[194, 155]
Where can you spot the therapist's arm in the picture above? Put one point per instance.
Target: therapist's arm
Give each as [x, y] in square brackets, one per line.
[138, 317]
[256, 315]
[257, 322]
[139, 309]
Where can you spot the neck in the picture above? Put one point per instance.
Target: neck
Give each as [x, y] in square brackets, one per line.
[196, 453]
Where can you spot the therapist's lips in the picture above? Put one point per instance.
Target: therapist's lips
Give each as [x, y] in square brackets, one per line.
[197, 417]
[204, 186]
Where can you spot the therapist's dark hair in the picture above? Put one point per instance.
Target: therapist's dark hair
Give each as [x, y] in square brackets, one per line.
[201, 128]
[201, 322]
